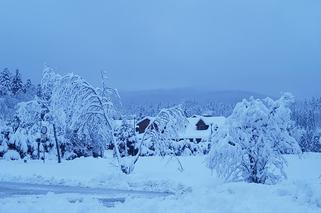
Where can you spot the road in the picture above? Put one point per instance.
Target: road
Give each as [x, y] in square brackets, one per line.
[106, 195]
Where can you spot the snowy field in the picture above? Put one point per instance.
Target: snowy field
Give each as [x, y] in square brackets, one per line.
[195, 189]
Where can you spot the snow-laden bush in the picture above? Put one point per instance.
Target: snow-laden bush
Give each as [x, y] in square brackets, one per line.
[21, 141]
[126, 139]
[11, 155]
[26, 130]
[18, 142]
[3, 144]
[188, 148]
[250, 147]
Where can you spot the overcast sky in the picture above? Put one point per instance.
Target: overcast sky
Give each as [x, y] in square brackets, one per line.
[265, 46]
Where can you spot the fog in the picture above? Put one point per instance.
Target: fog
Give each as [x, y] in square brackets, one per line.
[260, 46]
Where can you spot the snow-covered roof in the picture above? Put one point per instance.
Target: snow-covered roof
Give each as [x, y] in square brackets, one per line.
[192, 132]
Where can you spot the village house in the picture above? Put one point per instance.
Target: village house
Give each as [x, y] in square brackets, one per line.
[199, 128]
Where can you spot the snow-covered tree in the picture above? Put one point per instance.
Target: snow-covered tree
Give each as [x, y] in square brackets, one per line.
[16, 84]
[18, 142]
[164, 130]
[78, 111]
[250, 147]
[285, 128]
[160, 135]
[307, 116]
[5, 82]
[77, 108]
[4, 139]
[21, 132]
[7, 106]
[111, 95]
[126, 139]
[13, 143]
[29, 115]
[12, 92]
[29, 89]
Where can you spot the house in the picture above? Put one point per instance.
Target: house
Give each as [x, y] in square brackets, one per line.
[144, 123]
[199, 128]
[201, 125]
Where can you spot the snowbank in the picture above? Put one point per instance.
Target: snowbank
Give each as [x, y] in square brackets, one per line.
[197, 190]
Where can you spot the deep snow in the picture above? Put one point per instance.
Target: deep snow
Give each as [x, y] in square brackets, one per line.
[196, 188]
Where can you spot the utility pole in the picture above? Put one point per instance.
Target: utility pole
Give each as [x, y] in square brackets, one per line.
[43, 140]
[57, 144]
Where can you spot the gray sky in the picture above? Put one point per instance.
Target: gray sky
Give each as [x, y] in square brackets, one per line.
[262, 46]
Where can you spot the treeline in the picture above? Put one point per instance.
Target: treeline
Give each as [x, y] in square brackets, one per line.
[191, 107]
[13, 89]
[12, 84]
[307, 117]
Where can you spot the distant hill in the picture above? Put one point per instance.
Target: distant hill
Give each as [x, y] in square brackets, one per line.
[196, 101]
[176, 96]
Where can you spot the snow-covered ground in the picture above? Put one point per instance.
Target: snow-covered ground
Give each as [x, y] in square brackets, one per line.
[196, 188]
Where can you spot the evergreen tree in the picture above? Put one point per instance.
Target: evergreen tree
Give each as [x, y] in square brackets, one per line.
[16, 84]
[39, 91]
[28, 85]
[29, 89]
[5, 82]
